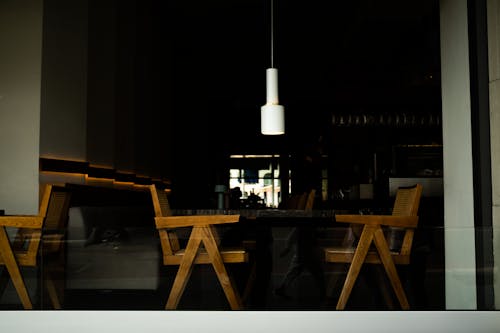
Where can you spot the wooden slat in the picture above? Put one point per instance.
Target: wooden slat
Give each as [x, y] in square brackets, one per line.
[34, 245]
[194, 220]
[57, 211]
[141, 187]
[215, 234]
[310, 200]
[164, 204]
[52, 291]
[44, 203]
[165, 243]
[342, 255]
[185, 269]
[123, 185]
[407, 242]
[160, 202]
[227, 284]
[301, 203]
[228, 256]
[357, 262]
[25, 259]
[13, 269]
[19, 221]
[390, 268]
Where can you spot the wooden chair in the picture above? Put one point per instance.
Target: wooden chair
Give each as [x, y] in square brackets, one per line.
[300, 200]
[309, 200]
[202, 232]
[377, 230]
[37, 236]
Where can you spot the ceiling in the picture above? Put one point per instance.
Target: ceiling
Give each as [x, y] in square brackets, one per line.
[332, 56]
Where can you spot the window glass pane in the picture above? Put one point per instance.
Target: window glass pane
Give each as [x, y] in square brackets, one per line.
[257, 177]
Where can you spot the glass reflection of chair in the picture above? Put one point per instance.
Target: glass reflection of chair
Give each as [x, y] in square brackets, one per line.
[203, 232]
[383, 231]
[37, 236]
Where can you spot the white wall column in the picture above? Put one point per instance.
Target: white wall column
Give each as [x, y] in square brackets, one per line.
[63, 120]
[20, 82]
[460, 263]
[493, 7]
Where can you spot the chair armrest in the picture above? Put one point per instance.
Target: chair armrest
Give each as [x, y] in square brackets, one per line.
[194, 220]
[387, 220]
[19, 221]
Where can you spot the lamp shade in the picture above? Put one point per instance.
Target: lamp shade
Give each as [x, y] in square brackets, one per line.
[272, 115]
[272, 119]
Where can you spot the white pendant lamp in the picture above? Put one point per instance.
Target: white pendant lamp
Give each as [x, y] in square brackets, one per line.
[272, 115]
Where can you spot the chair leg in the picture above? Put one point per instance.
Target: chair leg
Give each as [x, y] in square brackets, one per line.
[334, 284]
[13, 269]
[250, 282]
[185, 269]
[52, 292]
[357, 261]
[390, 268]
[227, 284]
[384, 287]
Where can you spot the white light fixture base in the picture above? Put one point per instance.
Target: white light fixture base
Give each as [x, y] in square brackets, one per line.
[272, 119]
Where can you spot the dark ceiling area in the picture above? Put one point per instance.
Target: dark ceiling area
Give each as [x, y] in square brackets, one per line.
[333, 57]
[186, 79]
[205, 62]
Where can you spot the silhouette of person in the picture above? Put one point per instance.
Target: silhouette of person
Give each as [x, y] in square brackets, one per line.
[235, 197]
[307, 168]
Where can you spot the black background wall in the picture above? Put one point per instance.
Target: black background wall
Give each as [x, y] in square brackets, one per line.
[173, 87]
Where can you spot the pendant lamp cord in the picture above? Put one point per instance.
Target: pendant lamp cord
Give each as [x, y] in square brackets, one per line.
[272, 33]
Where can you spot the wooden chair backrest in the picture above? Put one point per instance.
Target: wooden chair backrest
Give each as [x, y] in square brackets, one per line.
[160, 202]
[168, 237]
[56, 215]
[302, 201]
[293, 201]
[54, 207]
[310, 200]
[406, 203]
[46, 191]
[30, 238]
[56, 220]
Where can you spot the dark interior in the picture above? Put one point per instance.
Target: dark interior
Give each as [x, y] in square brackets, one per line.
[175, 87]
[188, 80]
